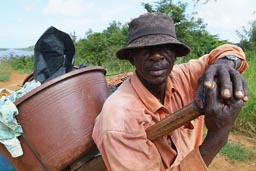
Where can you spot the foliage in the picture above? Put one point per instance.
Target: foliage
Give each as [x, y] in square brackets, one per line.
[93, 48]
[23, 64]
[236, 152]
[4, 75]
[248, 38]
[246, 121]
[30, 48]
[99, 48]
[189, 30]
[4, 70]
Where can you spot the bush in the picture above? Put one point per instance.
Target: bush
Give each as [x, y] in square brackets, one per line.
[4, 70]
[4, 75]
[246, 121]
[22, 64]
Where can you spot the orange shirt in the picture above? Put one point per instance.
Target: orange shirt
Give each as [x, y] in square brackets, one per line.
[119, 130]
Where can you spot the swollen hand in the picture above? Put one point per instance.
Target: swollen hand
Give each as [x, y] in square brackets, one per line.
[220, 113]
[230, 81]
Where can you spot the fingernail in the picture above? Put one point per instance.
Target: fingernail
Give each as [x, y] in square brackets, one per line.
[239, 94]
[208, 84]
[226, 93]
[214, 84]
[245, 99]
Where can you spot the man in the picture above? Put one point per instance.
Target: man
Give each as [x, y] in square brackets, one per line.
[157, 89]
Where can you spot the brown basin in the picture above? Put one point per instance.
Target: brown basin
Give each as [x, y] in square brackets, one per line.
[57, 119]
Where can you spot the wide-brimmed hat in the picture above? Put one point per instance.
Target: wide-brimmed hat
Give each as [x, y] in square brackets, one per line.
[152, 29]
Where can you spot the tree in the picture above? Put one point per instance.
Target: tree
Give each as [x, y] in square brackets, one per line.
[92, 49]
[73, 36]
[189, 29]
[248, 38]
[100, 48]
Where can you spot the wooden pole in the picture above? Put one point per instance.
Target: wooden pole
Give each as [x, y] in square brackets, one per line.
[172, 122]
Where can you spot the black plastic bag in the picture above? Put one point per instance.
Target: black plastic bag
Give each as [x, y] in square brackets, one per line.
[54, 53]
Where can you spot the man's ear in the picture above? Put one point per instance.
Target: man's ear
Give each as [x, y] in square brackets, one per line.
[130, 57]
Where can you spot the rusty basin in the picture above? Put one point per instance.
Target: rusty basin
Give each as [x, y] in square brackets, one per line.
[57, 119]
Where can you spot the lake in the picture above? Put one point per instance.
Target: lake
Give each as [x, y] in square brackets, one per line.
[15, 52]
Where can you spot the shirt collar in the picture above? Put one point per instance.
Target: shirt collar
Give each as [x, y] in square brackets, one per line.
[147, 98]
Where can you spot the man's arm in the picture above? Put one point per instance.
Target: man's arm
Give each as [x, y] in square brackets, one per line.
[225, 95]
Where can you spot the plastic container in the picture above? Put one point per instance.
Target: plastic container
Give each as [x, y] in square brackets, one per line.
[57, 119]
[5, 165]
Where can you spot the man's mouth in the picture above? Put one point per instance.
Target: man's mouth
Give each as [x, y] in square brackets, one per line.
[157, 72]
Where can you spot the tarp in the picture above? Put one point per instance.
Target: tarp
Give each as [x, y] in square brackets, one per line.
[54, 53]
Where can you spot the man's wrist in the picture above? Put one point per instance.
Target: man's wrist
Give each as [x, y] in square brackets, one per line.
[212, 144]
[225, 61]
[236, 61]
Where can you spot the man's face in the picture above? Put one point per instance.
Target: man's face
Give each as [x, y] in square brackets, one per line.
[153, 64]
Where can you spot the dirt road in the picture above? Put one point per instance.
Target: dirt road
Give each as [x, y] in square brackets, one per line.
[220, 163]
[15, 82]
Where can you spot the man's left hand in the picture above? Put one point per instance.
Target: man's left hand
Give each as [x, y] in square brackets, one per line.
[230, 81]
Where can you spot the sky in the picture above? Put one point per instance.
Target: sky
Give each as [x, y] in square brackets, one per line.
[24, 21]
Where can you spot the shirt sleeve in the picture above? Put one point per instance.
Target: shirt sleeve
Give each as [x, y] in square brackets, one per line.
[228, 49]
[193, 162]
[191, 71]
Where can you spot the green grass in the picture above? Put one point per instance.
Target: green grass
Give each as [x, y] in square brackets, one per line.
[23, 64]
[236, 152]
[4, 70]
[4, 75]
[246, 121]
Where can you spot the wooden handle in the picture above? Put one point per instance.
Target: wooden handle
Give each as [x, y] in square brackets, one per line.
[172, 122]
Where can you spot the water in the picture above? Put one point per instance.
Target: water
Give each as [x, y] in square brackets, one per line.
[15, 52]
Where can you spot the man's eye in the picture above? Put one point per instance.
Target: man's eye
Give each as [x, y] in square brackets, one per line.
[145, 53]
[168, 52]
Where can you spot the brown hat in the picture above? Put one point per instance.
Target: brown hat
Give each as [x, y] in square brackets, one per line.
[152, 29]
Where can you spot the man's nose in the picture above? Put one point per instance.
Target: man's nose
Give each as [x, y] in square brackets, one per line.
[156, 56]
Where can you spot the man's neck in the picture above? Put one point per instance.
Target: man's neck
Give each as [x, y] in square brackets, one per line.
[157, 90]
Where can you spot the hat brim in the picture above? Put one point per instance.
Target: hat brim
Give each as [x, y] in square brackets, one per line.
[153, 40]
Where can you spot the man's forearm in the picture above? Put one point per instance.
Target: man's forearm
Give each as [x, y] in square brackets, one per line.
[212, 144]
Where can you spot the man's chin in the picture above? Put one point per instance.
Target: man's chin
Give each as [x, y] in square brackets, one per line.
[157, 81]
